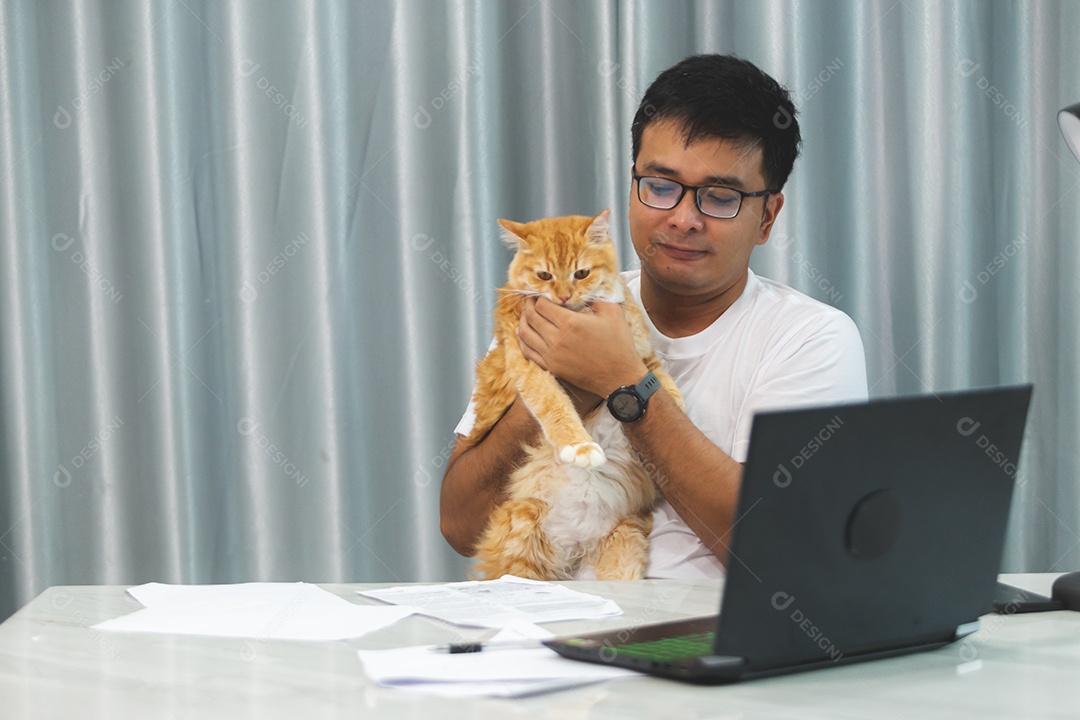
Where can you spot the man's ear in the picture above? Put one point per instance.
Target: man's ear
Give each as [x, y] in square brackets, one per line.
[773, 203]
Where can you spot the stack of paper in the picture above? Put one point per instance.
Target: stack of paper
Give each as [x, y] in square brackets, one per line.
[498, 603]
[300, 611]
[493, 672]
[263, 611]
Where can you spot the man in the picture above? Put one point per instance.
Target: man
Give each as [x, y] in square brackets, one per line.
[714, 141]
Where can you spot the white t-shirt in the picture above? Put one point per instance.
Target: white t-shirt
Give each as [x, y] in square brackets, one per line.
[774, 348]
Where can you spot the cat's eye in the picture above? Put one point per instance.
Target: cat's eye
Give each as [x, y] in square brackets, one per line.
[543, 275]
[582, 273]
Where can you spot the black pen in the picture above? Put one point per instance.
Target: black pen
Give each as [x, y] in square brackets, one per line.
[473, 647]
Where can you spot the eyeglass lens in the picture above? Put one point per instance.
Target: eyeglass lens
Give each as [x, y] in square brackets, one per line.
[664, 194]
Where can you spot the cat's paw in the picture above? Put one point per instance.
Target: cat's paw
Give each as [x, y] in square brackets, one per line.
[583, 455]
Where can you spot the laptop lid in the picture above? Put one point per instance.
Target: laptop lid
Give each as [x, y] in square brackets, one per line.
[868, 527]
[862, 531]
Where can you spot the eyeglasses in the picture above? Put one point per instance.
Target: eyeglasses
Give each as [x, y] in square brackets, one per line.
[713, 200]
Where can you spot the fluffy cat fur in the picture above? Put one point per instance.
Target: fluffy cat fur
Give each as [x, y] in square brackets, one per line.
[578, 498]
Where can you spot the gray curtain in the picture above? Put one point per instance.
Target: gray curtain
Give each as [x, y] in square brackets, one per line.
[248, 249]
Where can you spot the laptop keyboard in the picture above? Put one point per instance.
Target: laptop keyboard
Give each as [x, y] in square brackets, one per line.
[673, 648]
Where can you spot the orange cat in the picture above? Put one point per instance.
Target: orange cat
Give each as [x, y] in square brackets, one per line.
[580, 497]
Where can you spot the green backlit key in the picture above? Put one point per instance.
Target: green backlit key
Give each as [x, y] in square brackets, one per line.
[675, 648]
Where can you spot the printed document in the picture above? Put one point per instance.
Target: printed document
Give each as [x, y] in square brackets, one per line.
[497, 603]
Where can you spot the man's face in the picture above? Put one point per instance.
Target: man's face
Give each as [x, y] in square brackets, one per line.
[683, 251]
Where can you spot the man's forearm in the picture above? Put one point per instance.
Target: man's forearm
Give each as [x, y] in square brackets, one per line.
[699, 479]
[475, 479]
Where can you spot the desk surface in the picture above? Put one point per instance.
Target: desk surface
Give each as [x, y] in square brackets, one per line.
[53, 665]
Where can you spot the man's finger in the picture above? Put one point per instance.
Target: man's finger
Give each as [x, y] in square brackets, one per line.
[549, 310]
[529, 316]
[529, 353]
[529, 328]
[527, 333]
[608, 309]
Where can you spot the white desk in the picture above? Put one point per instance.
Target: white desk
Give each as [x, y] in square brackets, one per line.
[53, 665]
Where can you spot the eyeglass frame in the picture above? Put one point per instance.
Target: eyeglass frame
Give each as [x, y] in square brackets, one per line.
[697, 194]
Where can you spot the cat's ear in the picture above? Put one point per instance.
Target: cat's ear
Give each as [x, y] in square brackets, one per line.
[513, 234]
[599, 228]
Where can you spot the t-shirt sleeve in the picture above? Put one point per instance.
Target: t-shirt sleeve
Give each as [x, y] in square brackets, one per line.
[822, 363]
[465, 425]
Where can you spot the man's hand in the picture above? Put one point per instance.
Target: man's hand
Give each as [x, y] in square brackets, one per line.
[593, 351]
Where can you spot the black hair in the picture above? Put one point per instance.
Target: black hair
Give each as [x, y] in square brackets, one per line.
[722, 96]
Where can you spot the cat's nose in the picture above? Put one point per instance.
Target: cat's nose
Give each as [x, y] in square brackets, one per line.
[563, 298]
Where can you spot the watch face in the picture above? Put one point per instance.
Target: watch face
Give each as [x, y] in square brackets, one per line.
[625, 405]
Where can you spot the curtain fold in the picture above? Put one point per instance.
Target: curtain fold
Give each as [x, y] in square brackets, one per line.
[248, 251]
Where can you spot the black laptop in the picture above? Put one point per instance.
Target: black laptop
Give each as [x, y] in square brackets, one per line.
[864, 531]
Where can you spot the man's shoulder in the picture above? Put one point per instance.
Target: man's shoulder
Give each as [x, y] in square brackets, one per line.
[785, 303]
[767, 303]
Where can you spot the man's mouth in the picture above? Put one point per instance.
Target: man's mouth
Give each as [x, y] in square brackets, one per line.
[680, 252]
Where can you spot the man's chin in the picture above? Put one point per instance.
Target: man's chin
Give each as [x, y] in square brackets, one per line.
[678, 279]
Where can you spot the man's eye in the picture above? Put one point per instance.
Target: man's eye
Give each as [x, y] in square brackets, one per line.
[719, 200]
[582, 274]
[543, 275]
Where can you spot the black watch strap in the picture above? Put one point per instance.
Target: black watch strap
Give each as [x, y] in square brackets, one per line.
[648, 385]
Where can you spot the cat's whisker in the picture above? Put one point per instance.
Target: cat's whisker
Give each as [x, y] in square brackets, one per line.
[526, 293]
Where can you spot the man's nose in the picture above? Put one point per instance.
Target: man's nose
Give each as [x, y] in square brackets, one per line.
[686, 216]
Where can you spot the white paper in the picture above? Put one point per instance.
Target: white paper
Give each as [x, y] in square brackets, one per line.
[519, 631]
[496, 603]
[490, 673]
[233, 594]
[522, 688]
[262, 611]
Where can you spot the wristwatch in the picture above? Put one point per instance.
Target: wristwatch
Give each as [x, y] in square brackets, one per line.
[627, 404]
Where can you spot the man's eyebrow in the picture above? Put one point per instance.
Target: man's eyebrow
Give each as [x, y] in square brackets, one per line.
[731, 181]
